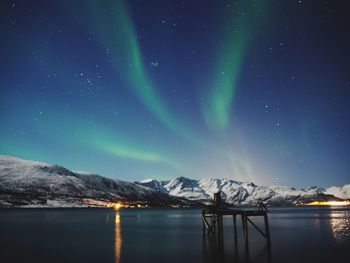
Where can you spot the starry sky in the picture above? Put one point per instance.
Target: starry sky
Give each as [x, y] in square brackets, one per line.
[249, 90]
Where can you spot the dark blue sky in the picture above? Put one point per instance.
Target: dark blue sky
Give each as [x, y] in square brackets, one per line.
[250, 90]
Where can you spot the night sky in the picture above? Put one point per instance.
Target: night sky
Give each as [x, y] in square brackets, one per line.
[249, 90]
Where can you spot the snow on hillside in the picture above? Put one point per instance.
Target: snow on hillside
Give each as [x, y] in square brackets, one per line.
[115, 186]
[153, 184]
[236, 193]
[28, 176]
[341, 191]
[24, 183]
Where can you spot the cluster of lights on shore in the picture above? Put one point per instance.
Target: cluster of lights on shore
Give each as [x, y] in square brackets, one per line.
[115, 205]
[118, 205]
[330, 203]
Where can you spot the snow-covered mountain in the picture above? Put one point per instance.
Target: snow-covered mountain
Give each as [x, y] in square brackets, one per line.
[154, 184]
[341, 191]
[24, 182]
[239, 193]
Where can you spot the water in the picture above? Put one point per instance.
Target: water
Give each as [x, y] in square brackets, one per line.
[302, 234]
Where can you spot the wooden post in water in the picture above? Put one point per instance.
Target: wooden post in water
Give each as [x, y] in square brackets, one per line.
[203, 222]
[235, 226]
[267, 228]
[243, 226]
[217, 203]
[246, 228]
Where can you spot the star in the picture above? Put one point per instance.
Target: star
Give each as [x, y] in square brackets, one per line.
[155, 64]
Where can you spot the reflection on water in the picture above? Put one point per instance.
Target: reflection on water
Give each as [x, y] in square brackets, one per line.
[299, 234]
[340, 225]
[117, 238]
[216, 249]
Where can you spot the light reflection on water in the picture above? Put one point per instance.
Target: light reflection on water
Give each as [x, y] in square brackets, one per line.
[340, 225]
[299, 234]
[117, 238]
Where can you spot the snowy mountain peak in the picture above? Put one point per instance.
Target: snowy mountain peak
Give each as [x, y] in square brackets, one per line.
[145, 181]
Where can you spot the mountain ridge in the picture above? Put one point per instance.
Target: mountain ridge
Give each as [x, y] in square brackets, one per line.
[245, 193]
[24, 182]
[32, 183]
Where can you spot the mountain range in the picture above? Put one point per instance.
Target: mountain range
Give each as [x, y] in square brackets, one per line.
[31, 183]
[245, 193]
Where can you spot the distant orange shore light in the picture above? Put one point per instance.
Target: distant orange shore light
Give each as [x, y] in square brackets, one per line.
[117, 206]
[330, 203]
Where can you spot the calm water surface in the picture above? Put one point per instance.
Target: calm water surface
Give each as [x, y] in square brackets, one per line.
[302, 234]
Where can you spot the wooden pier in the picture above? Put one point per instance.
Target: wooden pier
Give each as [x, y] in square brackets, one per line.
[212, 217]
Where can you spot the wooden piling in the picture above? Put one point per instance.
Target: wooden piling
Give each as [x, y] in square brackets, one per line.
[235, 226]
[267, 228]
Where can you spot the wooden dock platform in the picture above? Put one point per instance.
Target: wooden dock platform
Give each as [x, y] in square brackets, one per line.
[212, 218]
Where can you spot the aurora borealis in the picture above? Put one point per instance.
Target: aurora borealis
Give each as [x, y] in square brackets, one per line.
[250, 90]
